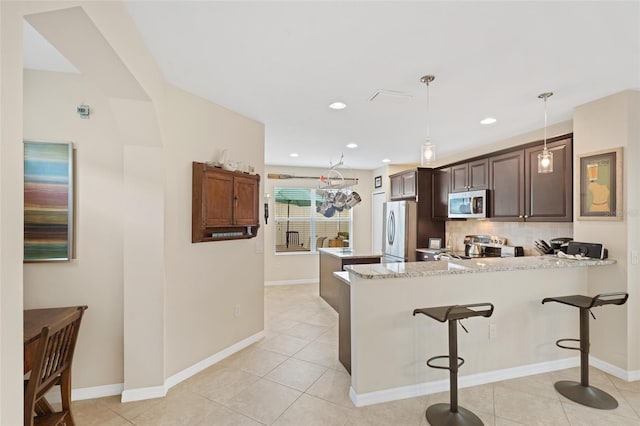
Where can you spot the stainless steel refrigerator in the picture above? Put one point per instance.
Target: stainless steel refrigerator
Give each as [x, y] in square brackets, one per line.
[400, 231]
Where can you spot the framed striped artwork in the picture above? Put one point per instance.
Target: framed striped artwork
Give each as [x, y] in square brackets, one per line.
[48, 201]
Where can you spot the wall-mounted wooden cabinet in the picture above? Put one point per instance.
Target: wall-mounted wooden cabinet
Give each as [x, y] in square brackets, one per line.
[224, 204]
[520, 193]
[470, 176]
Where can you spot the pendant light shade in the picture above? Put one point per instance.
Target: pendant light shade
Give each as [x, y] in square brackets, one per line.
[545, 158]
[428, 151]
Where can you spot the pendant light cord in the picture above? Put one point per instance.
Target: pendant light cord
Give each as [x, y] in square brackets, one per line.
[545, 123]
[428, 114]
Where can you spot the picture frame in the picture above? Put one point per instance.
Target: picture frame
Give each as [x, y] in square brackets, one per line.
[435, 243]
[48, 201]
[377, 182]
[600, 177]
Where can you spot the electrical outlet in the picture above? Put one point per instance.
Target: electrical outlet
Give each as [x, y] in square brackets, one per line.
[493, 331]
[635, 255]
[236, 311]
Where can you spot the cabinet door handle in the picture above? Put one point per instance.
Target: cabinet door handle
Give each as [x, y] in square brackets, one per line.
[520, 216]
[526, 216]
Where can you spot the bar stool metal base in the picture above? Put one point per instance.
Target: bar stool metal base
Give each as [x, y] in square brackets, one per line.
[441, 415]
[586, 395]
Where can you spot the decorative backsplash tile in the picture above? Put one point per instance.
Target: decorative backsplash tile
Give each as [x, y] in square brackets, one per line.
[517, 233]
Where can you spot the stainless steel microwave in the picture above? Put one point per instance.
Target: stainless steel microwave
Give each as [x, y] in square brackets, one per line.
[471, 204]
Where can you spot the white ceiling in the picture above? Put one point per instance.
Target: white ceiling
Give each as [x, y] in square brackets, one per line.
[282, 63]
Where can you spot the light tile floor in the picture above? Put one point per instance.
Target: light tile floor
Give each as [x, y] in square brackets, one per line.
[293, 377]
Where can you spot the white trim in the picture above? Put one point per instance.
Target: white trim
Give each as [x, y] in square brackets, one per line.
[629, 376]
[86, 393]
[427, 388]
[291, 282]
[138, 394]
[208, 362]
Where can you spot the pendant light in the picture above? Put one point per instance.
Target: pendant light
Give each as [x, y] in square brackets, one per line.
[545, 158]
[428, 152]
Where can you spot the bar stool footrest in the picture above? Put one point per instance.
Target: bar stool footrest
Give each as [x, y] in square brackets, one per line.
[586, 395]
[441, 415]
[441, 367]
[558, 344]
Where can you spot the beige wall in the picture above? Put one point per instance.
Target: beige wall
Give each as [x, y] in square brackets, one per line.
[193, 288]
[95, 277]
[292, 268]
[607, 123]
[206, 280]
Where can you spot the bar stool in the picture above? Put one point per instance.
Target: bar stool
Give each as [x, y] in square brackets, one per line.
[581, 392]
[452, 414]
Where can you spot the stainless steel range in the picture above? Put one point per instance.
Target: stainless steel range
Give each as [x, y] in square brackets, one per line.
[489, 246]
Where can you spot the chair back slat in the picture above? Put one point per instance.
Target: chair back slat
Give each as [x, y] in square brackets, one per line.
[53, 357]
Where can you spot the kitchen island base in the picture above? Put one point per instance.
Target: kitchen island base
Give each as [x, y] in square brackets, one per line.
[388, 345]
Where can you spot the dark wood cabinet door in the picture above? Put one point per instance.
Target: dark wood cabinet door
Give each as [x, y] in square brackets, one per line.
[218, 199]
[478, 175]
[441, 181]
[409, 189]
[396, 187]
[245, 200]
[506, 179]
[459, 177]
[403, 185]
[549, 196]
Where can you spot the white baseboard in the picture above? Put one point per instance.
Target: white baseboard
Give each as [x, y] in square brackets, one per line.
[629, 376]
[208, 362]
[138, 394]
[291, 282]
[427, 388]
[86, 393]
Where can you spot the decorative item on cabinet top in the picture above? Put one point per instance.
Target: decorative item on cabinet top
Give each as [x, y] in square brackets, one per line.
[224, 204]
[230, 165]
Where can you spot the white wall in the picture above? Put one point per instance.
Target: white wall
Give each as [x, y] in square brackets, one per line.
[607, 123]
[200, 282]
[296, 268]
[95, 277]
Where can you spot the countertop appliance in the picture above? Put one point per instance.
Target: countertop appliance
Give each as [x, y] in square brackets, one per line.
[399, 231]
[490, 246]
[470, 204]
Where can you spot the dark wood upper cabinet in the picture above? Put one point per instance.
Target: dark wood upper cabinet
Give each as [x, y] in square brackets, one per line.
[224, 204]
[404, 185]
[506, 180]
[520, 193]
[441, 182]
[549, 196]
[470, 176]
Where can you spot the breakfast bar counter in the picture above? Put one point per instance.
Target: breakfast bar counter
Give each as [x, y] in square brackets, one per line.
[389, 346]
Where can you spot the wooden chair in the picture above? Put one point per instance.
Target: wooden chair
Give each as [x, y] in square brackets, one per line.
[52, 366]
[320, 242]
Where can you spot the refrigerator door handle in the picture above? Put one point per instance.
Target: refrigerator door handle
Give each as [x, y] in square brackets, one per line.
[391, 228]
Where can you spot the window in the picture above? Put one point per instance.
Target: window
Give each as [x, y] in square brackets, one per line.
[304, 226]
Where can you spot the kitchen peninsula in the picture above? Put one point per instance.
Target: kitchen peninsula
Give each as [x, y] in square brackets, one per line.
[389, 346]
[337, 293]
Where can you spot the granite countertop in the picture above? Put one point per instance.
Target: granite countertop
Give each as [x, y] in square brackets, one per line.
[447, 267]
[347, 253]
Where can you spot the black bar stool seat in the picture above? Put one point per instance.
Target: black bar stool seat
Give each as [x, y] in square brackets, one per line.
[582, 392]
[451, 414]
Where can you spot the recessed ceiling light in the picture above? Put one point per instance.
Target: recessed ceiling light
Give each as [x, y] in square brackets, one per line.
[352, 145]
[386, 160]
[488, 120]
[294, 154]
[338, 105]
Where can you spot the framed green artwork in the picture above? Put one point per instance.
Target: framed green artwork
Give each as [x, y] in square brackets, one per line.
[601, 185]
[48, 201]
